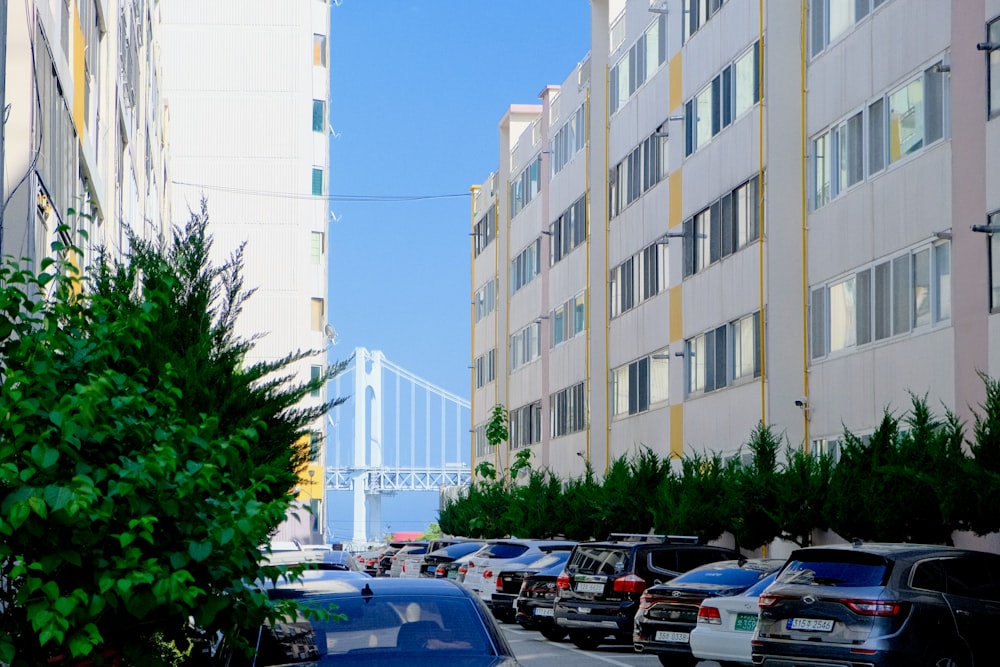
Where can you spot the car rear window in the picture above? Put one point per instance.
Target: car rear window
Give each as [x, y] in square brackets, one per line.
[505, 550]
[727, 577]
[835, 568]
[600, 559]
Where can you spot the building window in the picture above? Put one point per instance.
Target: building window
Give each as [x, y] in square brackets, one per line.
[319, 50]
[568, 411]
[316, 248]
[993, 68]
[485, 299]
[733, 92]
[485, 369]
[837, 160]
[485, 231]
[724, 355]
[569, 231]
[723, 227]
[639, 63]
[696, 14]
[569, 139]
[525, 266]
[317, 181]
[314, 373]
[526, 186]
[994, 219]
[526, 425]
[893, 297]
[317, 315]
[319, 115]
[639, 171]
[568, 320]
[640, 384]
[829, 19]
[525, 345]
[482, 444]
[639, 278]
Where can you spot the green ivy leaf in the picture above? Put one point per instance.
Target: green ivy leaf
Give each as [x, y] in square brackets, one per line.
[200, 550]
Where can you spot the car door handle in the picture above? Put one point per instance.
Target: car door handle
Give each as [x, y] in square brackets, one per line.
[962, 612]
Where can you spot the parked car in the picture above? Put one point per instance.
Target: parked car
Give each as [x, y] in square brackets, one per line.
[385, 558]
[412, 561]
[380, 621]
[416, 548]
[597, 594]
[493, 555]
[668, 612]
[440, 557]
[507, 581]
[726, 624]
[881, 605]
[533, 607]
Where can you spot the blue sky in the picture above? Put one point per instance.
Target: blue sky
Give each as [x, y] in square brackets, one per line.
[416, 94]
[417, 91]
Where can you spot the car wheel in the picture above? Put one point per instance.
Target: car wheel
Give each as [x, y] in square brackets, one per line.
[553, 633]
[677, 660]
[587, 641]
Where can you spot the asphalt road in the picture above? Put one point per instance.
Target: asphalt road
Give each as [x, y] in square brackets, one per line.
[534, 650]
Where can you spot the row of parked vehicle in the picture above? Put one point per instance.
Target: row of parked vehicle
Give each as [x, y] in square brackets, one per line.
[851, 604]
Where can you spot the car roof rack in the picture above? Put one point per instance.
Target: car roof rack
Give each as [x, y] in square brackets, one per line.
[646, 537]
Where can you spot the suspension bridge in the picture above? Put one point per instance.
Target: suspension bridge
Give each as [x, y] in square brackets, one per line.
[397, 433]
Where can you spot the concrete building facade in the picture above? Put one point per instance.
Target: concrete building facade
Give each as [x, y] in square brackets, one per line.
[247, 85]
[738, 212]
[85, 130]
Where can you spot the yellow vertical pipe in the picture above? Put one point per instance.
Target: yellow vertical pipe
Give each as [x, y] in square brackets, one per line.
[506, 314]
[474, 191]
[805, 276]
[589, 293]
[604, 278]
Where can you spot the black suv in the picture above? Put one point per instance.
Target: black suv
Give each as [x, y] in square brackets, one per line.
[881, 604]
[598, 593]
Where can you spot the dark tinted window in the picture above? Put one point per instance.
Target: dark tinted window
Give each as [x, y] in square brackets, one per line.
[929, 576]
[505, 550]
[722, 577]
[456, 550]
[600, 560]
[664, 559]
[835, 568]
[973, 578]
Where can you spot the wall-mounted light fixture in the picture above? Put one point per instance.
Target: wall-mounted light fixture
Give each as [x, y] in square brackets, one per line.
[944, 235]
[546, 232]
[987, 46]
[662, 355]
[679, 353]
[986, 229]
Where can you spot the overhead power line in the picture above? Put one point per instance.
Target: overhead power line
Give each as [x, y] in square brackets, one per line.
[330, 197]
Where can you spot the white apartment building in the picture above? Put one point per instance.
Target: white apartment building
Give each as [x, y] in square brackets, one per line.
[85, 129]
[733, 212]
[247, 85]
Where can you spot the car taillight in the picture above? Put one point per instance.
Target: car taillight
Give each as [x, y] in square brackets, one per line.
[709, 615]
[487, 574]
[562, 581]
[469, 566]
[873, 607]
[499, 583]
[464, 569]
[644, 602]
[404, 566]
[440, 571]
[630, 583]
[765, 601]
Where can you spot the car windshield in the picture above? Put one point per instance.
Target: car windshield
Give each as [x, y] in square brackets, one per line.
[835, 568]
[365, 627]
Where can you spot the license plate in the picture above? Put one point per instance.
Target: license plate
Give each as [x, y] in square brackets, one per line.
[588, 587]
[814, 624]
[543, 611]
[453, 574]
[673, 637]
[746, 622]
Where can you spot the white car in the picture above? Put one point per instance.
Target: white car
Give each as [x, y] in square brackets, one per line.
[726, 624]
[491, 558]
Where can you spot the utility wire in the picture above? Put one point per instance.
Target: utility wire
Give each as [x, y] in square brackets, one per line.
[329, 197]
